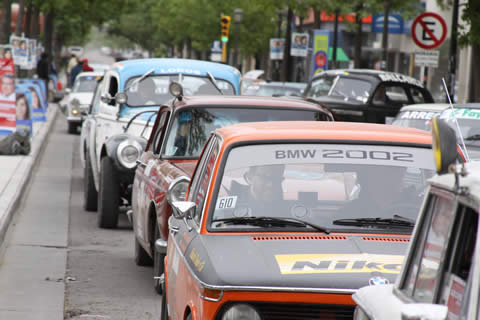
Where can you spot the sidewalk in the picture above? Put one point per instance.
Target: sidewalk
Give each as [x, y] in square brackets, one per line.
[17, 170]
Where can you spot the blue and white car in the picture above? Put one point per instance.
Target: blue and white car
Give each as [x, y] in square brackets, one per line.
[125, 108]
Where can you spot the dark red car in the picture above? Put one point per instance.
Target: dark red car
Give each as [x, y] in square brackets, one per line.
[181, 129]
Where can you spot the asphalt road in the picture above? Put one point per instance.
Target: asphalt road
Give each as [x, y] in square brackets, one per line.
[106, 282]
[58, 262]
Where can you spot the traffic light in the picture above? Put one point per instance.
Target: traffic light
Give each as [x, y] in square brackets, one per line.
[225, 22]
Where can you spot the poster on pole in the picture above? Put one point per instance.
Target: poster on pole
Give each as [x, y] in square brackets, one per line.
[20, 51]
[299, 46]
[277, 46]
[24, 110]
[320, 51]
[7, 97]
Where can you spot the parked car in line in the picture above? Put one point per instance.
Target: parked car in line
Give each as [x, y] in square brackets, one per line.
[286, 220]
[78, 101]
[130, 94]
[468, 128]
[175, 144]
[440, 276]
[275, 89]
[99, 67]
[418, 115]
[251, 77]
[365, 95]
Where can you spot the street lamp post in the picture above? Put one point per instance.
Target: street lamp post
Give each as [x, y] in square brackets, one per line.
[237, 18]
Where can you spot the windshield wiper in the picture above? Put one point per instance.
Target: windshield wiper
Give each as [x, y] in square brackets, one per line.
[272, 221]
[214, 82]
[474, 137]
[395, 221]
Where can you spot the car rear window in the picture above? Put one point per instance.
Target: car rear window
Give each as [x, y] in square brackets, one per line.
[191, 127]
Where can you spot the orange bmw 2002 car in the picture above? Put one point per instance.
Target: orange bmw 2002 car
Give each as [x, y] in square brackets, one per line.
[286, 220]
[177, 138]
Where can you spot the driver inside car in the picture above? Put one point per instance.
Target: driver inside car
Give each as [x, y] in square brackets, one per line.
[381, 194]
[183, 133]
[263, 191]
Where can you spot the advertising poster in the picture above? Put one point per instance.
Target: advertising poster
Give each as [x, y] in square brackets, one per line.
[299, 44]
[320, 51]
[23, 110]
[7, 97]
[20, 51]
[37, 105]
[43, 89]
[31, 55]
[276, 48]
[6, 51]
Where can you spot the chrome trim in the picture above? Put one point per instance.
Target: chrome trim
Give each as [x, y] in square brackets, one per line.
[253, 288]
[161, 246]
[211, 299]
[124, 144]
[129, 215]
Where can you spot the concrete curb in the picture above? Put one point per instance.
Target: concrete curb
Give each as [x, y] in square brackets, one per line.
[12, 192]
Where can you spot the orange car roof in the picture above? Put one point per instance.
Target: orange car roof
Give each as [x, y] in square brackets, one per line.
[220, 100]
[322, 130]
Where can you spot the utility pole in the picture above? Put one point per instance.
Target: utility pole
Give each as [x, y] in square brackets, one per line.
[452, 63]
[335, 39]
[386, 13]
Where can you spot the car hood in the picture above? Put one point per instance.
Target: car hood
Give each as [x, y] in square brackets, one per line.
[297, 261]
[83, 97]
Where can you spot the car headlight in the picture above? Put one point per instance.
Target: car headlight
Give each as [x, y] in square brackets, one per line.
[241, 312]
[75, 103]
[128, 151]
[74, 111]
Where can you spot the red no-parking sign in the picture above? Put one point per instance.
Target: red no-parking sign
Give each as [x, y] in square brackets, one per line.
[429, 30]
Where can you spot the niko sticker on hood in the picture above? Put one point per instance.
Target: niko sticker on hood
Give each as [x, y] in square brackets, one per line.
[338, 263]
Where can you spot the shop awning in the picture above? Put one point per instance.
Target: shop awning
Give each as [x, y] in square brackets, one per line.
[341, 56]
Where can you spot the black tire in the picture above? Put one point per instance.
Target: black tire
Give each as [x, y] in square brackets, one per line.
[108, 195]
[158, 262]
[141, 256]
[72, 128]
[90, 194]
[164, 310]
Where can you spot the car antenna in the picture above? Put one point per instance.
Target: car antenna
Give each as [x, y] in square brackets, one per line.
[467, 158]
[214, 82]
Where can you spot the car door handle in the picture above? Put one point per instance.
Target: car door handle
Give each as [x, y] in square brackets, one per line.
[141, 164]
[174, 230]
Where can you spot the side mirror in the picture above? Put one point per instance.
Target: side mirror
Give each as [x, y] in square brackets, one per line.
[425, 311]
[121, 98]
[444, 145]
[106, 98]
[183, 209]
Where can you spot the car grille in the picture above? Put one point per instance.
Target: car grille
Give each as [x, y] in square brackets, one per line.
[301, 311]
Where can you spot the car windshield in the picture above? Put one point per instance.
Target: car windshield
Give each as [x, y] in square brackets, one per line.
[191, 127]
[153, 90]
[415, 119]
[338, 86]
[85, 84]
[323, 184]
